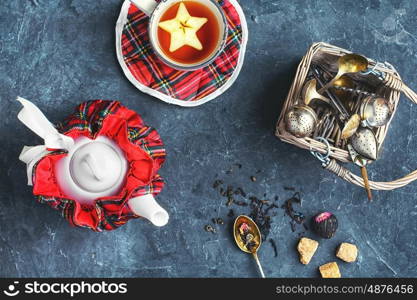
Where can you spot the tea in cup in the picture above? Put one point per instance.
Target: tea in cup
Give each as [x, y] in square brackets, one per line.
[185, 34]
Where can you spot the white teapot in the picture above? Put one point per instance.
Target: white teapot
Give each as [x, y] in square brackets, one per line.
[90, 170]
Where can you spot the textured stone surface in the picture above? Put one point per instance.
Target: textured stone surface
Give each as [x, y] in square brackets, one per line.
[59, 53]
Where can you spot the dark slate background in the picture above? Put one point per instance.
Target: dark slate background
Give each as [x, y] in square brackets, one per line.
[60, 53]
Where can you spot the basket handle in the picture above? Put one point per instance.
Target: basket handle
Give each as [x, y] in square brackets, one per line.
[347, 175]
[396, 84]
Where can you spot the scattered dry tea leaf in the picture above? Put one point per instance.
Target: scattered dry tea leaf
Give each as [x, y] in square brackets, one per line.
[209, 228]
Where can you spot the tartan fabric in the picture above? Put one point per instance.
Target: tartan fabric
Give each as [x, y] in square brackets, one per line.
[150, 71]
[91, 119]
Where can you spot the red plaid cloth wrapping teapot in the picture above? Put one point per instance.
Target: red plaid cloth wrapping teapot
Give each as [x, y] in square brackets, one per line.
[99, 166]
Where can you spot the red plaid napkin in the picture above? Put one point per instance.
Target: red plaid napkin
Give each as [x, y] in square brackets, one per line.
[143, 149]
[187, 88]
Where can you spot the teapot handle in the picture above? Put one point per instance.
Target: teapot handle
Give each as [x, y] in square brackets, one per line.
[35, 120]
[30, 155]
[147, 6]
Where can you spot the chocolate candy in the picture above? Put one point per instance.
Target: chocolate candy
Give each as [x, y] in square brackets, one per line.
[325, 224]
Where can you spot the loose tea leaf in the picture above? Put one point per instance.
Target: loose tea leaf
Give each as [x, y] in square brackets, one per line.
[209, 228]
[230, 171]
[240, 191]
[288, 188]
[260, 210]
[217, 221]
[229, 191]
[217, 183]
[261, 213]
[247, 236]
[296, 217]
[274, 246]
[270, 207]
[289, 210]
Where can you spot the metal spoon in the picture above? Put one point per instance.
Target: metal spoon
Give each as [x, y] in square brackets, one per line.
[349, 63]
[334, 101]
[351, 126]
[249, 241]
[340, 87]
[310, 92]
[344, 81]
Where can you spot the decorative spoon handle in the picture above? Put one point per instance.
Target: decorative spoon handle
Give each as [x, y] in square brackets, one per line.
[350, 90]
[255, 256]
[366, 182]
[329, 84]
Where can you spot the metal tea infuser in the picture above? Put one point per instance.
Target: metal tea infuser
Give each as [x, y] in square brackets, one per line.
[363, 149]
[375, 111]
[364, 142]
[301, 120]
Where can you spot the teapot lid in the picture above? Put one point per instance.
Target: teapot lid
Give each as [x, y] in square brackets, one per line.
[96, 167]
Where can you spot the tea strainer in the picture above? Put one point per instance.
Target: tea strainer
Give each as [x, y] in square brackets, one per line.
[375, 111]
[301, 120]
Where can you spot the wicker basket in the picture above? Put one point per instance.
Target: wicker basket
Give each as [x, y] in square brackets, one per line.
[390, 88]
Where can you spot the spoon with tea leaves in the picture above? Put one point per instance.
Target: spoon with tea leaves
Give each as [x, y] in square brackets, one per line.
[348, 63]
[248, 238]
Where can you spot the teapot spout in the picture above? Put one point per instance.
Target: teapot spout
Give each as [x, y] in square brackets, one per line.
[146, 206]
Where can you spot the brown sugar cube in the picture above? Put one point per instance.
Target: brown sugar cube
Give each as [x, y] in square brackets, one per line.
[347, 252]
[330, 270]
[306, 247]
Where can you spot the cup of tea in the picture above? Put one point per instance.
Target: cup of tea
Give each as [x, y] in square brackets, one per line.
[185, 34]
